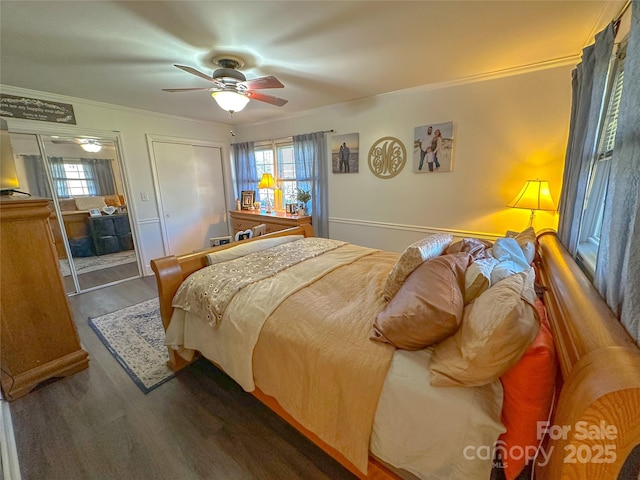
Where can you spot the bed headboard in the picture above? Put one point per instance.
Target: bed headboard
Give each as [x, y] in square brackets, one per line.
[600, 367]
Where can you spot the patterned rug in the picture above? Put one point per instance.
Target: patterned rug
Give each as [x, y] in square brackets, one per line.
[91, 264]
[135, 337]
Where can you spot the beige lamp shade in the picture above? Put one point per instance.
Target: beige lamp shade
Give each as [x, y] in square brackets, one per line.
[534, 195]
[267, 181]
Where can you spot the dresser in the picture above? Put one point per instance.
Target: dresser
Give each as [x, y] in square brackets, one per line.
[38, 339]
[274, 221]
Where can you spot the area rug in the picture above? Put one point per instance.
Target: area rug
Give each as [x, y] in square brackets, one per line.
[98, 262]
[135, 337]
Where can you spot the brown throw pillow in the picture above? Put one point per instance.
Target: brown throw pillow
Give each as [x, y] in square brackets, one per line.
[496, 330]
[527, 241]
[428, 307]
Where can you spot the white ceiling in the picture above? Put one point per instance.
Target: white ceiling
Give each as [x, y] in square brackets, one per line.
[325, 52]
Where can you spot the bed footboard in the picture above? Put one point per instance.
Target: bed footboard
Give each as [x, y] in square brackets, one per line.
[596, 423]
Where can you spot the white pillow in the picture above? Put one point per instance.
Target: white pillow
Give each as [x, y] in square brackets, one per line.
[511, 259]
[413, 256]
[249, 247]
[90, 203]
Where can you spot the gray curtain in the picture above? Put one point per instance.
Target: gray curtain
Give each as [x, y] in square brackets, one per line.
[310, 153]
[244, 160]
[618, 264]
[36, 176]
[59, 176]
[103, 173]
[589, 85]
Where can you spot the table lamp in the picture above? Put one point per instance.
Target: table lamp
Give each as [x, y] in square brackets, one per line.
[268, 183]
[534, 196]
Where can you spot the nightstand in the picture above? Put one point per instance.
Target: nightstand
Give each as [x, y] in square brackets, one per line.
[274, 221]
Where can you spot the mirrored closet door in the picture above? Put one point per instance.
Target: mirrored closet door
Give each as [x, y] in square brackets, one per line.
[82, 178]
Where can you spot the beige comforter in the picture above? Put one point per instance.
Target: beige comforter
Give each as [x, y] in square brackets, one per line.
[315, 357]
[302, 336]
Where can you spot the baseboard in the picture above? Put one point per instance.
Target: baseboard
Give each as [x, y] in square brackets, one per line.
[10, 467]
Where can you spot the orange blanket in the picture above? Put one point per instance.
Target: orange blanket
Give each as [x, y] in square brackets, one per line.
[314, 355]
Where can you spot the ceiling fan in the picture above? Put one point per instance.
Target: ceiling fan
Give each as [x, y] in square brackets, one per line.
[231, 90]
[88, 144]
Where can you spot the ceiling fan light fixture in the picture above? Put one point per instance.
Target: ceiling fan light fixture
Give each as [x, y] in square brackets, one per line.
[230, 101]
[91, 146]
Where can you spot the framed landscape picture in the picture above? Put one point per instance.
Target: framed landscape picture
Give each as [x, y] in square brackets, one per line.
[345, 153]
[433, 148]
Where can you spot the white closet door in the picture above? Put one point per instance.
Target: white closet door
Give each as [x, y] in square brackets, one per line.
[192, 197]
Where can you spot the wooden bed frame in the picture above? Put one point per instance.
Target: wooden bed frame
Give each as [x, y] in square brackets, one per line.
[599, 388]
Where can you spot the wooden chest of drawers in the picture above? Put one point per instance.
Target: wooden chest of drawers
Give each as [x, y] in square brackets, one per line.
[244, 219]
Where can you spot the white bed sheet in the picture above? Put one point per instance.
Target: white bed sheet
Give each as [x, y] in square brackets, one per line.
[435, 433]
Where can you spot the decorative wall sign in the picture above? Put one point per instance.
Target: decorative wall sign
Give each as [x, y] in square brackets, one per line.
[387, 157]
[34, 109]
[345, 152]
[432, 148]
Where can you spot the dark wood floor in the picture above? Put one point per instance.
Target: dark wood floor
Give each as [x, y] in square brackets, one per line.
[102, 276]
[97, 424]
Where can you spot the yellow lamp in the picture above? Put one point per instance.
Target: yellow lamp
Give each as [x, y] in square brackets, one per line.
[268, 183]
[534, 196]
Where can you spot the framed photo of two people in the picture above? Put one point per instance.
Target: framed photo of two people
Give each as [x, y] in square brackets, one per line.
[344, 153]
[433, 147]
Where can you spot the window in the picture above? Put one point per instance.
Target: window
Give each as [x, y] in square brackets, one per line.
[73, 179]
[277, 158]
[589, 239]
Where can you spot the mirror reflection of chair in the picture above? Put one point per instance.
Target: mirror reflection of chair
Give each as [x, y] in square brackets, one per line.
[259, 230]
[243, 235]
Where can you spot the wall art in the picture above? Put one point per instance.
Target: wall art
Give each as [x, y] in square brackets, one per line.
[387, 157]
[433, 148]
[345, 153]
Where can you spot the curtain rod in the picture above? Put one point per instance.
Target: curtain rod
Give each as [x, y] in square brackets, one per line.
[282, 138]
[618, 19]
[623, 11]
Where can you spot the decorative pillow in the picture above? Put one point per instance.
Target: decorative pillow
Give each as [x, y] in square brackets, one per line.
[411, 258]
[510, 257]
[478, 278]
[90, 203]
[428, 307]
[112, 200]
[473, 246]
[247, 248]
[527, 241]
[528, 391]
[496, 330]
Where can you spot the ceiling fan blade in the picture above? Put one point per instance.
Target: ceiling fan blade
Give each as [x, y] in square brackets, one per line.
[173, 90]
[278, 102]
[195, 72]
[262, 82]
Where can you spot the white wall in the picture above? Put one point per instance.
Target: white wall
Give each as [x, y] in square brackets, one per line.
[133, 126]
[506, 129]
